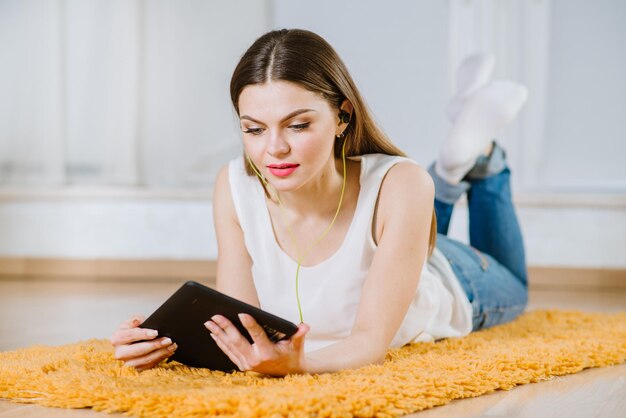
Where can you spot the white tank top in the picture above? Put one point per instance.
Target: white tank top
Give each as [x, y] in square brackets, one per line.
[331, 290]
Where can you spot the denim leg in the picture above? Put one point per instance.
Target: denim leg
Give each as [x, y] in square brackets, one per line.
[493, 224]
[443, 212]
[496, 295]
[492, 269]
[446, 195]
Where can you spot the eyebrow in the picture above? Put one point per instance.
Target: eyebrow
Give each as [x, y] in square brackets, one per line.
[289, 116]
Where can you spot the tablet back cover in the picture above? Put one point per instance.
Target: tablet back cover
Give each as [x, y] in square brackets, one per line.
[182, 318]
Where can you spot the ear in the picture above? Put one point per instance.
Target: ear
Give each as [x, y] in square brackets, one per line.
[347, 107]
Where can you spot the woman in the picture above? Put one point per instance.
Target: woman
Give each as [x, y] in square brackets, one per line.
[324, 222]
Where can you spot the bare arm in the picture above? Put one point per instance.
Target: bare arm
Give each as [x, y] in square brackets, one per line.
[404, 220]
[234, 265]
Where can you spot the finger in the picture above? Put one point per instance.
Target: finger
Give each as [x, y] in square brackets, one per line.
[229, 344]
[154, 363]
[130, 351]
[237, 359]
[255, 330]
[230, 335]
[171, 350]
[153, 358]
[228, 328]
[233, 340]
[132, 322]
[128, 336]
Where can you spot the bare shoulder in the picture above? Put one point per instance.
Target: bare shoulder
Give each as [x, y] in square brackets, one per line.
[406, 199]
[222, 199]
[407, 181]
[222, 178]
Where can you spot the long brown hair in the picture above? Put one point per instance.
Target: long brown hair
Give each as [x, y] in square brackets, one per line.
[305, 58]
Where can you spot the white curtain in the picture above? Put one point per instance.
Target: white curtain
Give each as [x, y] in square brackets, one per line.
[120, 92]
[135, 92]
[101, 72]
[32, 122]
[586, 97]
[570, 54]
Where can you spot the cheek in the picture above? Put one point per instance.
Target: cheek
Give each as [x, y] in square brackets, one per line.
[318, 143]
[311, 149]
[253, 148]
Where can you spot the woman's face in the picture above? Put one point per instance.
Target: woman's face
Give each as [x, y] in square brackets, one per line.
[288, 132]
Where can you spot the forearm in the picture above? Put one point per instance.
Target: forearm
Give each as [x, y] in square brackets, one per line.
[355, 351]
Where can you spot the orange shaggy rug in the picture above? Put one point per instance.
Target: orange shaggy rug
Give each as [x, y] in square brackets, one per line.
[535, 347]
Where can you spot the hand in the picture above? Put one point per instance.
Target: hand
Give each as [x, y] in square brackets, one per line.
[141, 355]
[262, 356]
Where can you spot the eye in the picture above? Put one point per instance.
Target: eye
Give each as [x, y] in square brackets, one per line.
[300, 127]
[253, 131]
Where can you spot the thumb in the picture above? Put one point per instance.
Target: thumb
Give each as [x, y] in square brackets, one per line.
[298, 338]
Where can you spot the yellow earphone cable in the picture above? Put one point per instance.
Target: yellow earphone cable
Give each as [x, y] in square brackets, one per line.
[291, 234]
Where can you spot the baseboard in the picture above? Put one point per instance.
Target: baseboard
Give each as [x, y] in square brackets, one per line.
[176, 270]
[109, 269]
[545, 277]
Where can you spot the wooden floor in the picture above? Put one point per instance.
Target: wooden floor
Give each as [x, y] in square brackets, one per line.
[56, 312]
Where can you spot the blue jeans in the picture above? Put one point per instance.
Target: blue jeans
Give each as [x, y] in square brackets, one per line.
[492, 269]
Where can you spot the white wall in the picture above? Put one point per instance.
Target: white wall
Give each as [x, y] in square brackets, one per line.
[586, 97]
[396, 52]
[118, 228]
[399, 54]
[127, 228]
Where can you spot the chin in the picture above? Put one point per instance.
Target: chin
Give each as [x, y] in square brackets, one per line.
[281, 186]
[286, 184]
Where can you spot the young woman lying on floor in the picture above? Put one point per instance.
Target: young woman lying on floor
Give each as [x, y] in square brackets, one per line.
[324, 222]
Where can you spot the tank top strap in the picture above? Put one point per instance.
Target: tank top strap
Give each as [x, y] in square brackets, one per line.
[374, 168]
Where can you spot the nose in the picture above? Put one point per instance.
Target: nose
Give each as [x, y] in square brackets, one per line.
[277, 145]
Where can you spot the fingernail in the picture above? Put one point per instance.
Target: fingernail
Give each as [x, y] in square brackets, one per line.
[153, 333]
[172, 347]
[243, 318]
[166, 341]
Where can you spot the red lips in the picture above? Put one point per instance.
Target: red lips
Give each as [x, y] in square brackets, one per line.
[282, 165]
[282, 170]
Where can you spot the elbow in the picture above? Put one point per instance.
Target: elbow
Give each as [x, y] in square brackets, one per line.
[374, 354]
[380, 360]
[379, 356]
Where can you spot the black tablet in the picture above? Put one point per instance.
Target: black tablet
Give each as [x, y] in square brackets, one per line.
[182, 319]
